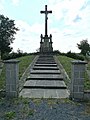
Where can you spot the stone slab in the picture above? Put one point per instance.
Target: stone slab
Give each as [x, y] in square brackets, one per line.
[32, 93]
[55, 67]
[44, 58]
[63, 93]
[49, 65]
[45, 68]
[45, 76]
[45, 62]
[61, 79]
[44, 93]
[44, 83]
[48, 93]
[45, 72]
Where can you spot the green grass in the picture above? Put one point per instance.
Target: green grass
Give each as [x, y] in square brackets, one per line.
[10, 115]
[87, 81]
[66, 62]
[88, 66]
[87, 110]
[2, 78]
[23, 64]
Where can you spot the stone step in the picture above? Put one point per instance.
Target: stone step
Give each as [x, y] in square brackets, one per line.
[45, 62]
[45, 68]
[45, 77]
[28, 78]
[45, 72]
[46, 56]
[45, 84]
[45, 59]
[45, 80]
[44, 93]
[49, 65]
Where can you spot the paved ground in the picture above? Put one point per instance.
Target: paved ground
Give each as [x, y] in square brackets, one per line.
[43, 109]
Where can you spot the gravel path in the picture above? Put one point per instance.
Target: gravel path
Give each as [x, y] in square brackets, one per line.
[42, 109]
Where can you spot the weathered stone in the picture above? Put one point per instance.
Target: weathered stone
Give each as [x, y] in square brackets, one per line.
[45, 83]
[12, 78]
[45, 72]
[77, 80]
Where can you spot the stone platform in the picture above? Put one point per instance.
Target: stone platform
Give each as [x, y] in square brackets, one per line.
[45, 80]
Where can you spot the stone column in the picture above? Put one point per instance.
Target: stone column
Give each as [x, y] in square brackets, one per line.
[51, 48]
[41, 44]
[12, 78]
[77, 80]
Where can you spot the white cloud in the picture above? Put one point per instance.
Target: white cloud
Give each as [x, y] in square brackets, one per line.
[28, 38]
[1, 5]
[66, 8]
[15, 2]
[37, 28]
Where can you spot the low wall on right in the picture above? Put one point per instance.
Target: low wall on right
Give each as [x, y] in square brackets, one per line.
[86, 94]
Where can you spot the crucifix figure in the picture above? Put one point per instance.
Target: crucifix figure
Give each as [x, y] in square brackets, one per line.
[46, 18]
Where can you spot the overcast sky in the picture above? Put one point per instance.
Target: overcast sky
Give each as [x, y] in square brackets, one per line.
[69, 22]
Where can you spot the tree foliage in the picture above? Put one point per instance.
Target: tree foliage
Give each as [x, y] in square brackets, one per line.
[84, 47]
[7, 31]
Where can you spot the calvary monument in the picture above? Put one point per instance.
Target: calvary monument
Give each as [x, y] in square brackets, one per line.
[46, 41]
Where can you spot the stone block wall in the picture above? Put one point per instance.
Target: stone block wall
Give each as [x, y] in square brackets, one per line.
[77, 80]
[12, 78]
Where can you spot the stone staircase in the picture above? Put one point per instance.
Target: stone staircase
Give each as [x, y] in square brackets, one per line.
[45, 80]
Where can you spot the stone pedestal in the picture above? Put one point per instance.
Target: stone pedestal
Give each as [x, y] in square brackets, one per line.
[12, 78]
[77, 80]
[46, 44]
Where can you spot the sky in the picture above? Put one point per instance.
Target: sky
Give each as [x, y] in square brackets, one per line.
[69, 23]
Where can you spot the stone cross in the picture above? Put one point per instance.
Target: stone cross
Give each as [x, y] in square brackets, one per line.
[46, 18]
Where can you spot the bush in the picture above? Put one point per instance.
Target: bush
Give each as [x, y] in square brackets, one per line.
[13, 55]
[75, 56]
[56, 52]
[71, 55]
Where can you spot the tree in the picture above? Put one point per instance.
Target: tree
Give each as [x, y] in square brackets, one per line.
[84, 47]
[7, 31]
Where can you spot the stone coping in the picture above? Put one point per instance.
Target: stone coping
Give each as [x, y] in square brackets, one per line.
[11, 61]
[78, 62]
[87, 91]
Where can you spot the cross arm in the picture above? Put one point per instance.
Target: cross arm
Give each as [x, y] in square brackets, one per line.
[42, 12]
[45, 12]
[49, 11]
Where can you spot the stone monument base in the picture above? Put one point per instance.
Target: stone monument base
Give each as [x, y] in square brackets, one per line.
[46, 44]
